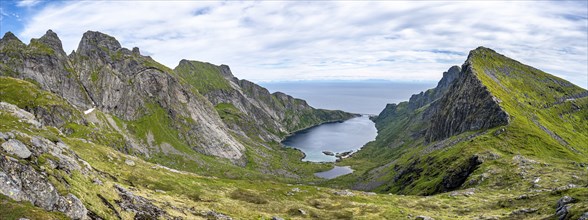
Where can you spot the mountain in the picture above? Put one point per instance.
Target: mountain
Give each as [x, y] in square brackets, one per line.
[492, 123]
[107, 133]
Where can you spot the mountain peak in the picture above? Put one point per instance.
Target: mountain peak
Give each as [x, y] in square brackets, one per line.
[97, 40]
[481, 52]
[52, 40]
[10, 36]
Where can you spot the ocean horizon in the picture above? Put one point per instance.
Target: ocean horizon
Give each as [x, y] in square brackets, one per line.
[362, 97]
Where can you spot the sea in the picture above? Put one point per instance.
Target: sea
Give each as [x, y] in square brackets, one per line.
[363, 97]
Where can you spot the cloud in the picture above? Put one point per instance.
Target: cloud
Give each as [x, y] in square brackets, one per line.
[272, 41]
[27, 3]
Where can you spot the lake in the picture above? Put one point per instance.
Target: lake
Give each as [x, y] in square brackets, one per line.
[365, 97]
[335, 172]
[336, 137]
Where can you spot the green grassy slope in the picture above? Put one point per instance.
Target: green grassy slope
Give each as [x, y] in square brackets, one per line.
[191, 196]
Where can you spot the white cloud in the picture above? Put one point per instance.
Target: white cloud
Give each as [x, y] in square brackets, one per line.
[265, 41]
[27, 3]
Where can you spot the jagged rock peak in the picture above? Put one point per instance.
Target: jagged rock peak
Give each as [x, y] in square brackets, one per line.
[52, 40]
[136, 51]
[184, 62]
[10, 36]
[94, 40]
[424, 98]
[226, 71]
[449, 76]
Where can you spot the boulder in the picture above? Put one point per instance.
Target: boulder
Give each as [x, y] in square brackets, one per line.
[344, 193]
[4, 136]
[523, 211]
[217, 216]
[328, 153]
[72, 207]
[584, 216]
[142, 207]
[17, 148]
[561, 210]
[130, 162]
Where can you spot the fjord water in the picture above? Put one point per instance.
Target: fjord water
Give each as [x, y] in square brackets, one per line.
[363, 97]
[336, 137]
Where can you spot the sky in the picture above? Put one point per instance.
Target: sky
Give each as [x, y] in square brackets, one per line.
[266, 41]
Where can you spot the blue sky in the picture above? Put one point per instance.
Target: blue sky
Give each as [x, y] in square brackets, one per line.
[323, 40]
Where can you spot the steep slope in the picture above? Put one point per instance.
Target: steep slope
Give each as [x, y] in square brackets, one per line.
[130, 86]
[497, 124]
[272, 116]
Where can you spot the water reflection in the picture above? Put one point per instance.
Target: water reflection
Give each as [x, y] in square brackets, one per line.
[335, 172]
[339, 137]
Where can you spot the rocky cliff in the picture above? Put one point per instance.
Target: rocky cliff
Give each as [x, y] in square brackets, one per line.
[469, 106]
[43, 61]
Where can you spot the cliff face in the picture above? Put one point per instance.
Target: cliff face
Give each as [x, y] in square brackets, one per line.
[459, 103]
[419, 100]
[44, 62]
[124, 83]
[466, 106]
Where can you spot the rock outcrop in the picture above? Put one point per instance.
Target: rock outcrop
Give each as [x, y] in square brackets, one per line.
[419, 100]
[22, 180]
[562, 207]
[130, 86]
[142, 207]
[467, 106]
[44, 62]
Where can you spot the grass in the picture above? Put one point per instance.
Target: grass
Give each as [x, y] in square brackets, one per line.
[158, 123]
[27, 95]
[205, 77]
[263, 198]
[12, 210]
[228, 112]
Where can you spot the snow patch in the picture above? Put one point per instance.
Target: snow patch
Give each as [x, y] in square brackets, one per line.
[89, 111]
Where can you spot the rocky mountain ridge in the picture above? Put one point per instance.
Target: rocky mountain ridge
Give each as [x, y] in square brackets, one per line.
[102, 74]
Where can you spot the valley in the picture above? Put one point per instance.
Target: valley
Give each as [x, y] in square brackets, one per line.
[495, 139]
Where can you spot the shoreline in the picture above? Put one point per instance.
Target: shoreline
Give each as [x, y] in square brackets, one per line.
[313, 126]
